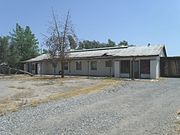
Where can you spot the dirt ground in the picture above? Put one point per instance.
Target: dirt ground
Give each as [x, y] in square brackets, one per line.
[20, 90]
[140, 107]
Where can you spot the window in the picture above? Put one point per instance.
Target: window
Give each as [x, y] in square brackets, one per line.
[93, 65]
[145, 66]
[78, 65]
[65, 65]
[125, 66]
[108, 63]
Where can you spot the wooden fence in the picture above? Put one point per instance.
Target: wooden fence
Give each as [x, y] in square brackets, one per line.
[170, 66]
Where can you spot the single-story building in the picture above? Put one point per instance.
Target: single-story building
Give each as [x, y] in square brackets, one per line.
[128, 62]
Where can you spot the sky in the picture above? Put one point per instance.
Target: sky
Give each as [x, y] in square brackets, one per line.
[137, 21]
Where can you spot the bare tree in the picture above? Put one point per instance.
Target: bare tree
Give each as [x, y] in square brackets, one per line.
[51, 43]
[58, 41]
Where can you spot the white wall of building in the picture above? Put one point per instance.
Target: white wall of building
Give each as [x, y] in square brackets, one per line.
[155, 68]
[116, 69]
[102, 70]
[45, 67]
[25, 67]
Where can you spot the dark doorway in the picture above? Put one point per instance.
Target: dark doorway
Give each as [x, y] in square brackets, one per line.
[29, 67]
[136, 69]
[36, 68]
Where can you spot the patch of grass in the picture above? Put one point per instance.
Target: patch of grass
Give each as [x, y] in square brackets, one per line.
[14, 108]
[77, 91]
[21, 95]
[24, 98]
[178, 129]
[178, 122]
[12, 86]
[45, 83]
[8, 107]
[35, 102]
[20, 87]
[49, 78]
[14, 103]
[17, 87]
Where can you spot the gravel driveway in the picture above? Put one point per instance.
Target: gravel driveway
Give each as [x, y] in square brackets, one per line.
[132, 108]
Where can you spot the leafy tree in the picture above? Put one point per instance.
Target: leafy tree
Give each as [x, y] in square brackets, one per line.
[111, 43]
[4, 49]
[72, 42]
[31, 44]
[44, 51]
[14, 57]
[86, 44]
[24, 43]
[123, 43]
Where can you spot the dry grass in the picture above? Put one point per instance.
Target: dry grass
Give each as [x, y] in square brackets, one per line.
[79, 91]
[9, 106]
[177, 129]
[58, 78]
[27, 77]
[26, 98]
[35, 102]
[44, 84]
[22, 95]
[17, 87]
[178, 122]
[14, 103]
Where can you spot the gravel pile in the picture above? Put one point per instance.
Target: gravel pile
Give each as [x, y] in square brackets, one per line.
[134, 107]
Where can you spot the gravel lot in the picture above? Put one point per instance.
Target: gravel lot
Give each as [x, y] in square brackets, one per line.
[17, 91]
[133, 108]
[41, 86]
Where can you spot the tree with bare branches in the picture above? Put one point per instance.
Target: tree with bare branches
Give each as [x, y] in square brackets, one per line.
[61, 38]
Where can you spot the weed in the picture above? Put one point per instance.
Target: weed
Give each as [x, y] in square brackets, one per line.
[35, 102]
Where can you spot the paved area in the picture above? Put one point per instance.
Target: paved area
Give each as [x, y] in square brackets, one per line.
[129, 108]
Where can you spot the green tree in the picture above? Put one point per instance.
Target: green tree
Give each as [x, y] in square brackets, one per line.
[123, 43]
[111, 43]
[44, 51]
[72, 42]
[14, 57]
[4, 49]
[30, 43]
[24, 43]
[86, 44]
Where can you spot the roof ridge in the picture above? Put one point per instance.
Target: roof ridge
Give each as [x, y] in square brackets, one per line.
[97, 49]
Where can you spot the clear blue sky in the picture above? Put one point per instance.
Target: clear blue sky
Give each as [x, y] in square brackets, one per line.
[138, 21]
